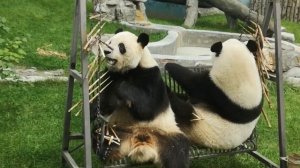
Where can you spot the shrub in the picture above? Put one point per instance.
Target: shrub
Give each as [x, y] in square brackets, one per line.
[11, 49]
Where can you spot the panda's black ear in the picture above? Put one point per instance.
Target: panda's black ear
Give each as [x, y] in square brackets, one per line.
[216, 48]
[118, 30]
[143, 39]
[252, 46]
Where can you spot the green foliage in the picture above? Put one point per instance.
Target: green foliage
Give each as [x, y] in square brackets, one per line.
[11, 50]
[292, 27]
[31, 127]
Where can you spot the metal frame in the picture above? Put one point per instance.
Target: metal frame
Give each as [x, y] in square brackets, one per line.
[79, 28]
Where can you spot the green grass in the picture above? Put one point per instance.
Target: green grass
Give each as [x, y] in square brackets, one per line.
[48, 23]
[219, 23]
[293, 28]
[32, 121]
[213, 22]
[49, 26]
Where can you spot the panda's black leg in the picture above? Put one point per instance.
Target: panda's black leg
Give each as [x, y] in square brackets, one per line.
[183, 110]
[175, 152]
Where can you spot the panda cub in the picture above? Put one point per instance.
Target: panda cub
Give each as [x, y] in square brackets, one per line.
[137, 103]
[227, 99]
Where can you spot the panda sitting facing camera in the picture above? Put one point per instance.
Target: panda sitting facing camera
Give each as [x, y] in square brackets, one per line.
[137, 103]
[227, 99]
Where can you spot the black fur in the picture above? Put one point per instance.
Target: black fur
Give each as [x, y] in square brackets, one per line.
[122, 48]
[143, 39]
[183, 110]
[202, 89]
[174, 151]
[216, 48]
[252, 46]
[140, 90]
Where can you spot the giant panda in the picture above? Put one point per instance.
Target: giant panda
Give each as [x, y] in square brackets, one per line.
[137, 106]
[227, 99]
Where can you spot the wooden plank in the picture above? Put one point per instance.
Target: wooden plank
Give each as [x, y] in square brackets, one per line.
[296, 11]
[288, 10]
[292, 10]
[284, 9]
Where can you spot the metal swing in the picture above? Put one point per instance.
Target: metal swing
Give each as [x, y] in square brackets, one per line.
[79, 28]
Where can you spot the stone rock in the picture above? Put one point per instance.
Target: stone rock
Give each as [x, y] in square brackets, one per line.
[290, 56]
[121, 10]
[33, 75]
[288, 37]
[293, 72]
[290, 60]
[294, 81]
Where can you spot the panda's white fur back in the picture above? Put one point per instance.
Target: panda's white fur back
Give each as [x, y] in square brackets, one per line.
[236, 74]
[215, 132]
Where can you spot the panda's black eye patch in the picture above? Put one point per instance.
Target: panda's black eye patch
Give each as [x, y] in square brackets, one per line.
[122, 48]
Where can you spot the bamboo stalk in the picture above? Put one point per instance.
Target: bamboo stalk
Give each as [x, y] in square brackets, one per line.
[95, 82]
[94, 70]
[97, 87]
[93, 29]
[112, 139]
[112, 130]
[74, 106]
[91, 40]
[266, 118]
[94, 16]
[100, 91]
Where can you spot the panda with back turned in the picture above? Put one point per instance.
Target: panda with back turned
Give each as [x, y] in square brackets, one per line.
[227, 99]
[136, 104]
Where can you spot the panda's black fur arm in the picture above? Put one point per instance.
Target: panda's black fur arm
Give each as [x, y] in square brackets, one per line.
[202, 89]
[144, 92]
[174, 151]
[182, 109]
[193, 83]
[182, 75]
[108, 99]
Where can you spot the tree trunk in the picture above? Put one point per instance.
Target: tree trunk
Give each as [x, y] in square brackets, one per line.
[240, 11]
[191, 13]
[230, 7]
[232, 21]
[201, 3]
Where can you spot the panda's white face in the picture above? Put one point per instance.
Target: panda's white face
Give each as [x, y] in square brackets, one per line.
[124, 52]
[235, 72]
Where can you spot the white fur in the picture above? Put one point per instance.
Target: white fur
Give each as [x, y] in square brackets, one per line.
[164, 121]
[235, 72]
[135, 54]
[215, 132]
[141, 152]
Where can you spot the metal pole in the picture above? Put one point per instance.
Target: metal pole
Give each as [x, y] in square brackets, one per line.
[67, 119]
[279, 84]
[267, 16]
[85, 88]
